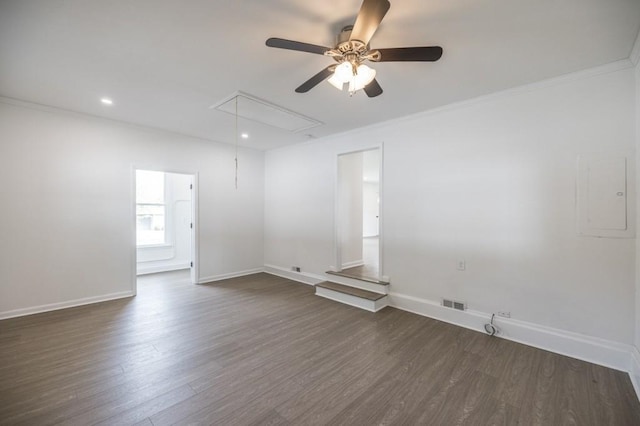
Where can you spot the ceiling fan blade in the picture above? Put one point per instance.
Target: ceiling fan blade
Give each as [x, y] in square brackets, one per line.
[368, 20]
[316, 79]
[282, 43]
[373, 89]
[424, 54]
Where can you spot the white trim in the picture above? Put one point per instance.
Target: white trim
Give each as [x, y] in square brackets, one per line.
[154, 246]
[195, 247]
[267, 104]
[525, 88]
[57, 110]
[356, 283]
[355, 301]
[195, 230]
[591, 349]
[205, 280]
[64, 305]
[142, 270]
[301, 277]
[133, 230]
[353, 264]
[381, 215]
[337, 249]
[634, 370]
[634, 56]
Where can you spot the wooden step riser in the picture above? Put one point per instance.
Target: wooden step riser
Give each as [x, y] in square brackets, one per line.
[358, 302]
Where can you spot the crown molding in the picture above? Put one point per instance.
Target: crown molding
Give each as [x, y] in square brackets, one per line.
[73, 113]
[611, 67]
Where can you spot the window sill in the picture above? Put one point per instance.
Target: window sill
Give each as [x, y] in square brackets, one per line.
[153, 246]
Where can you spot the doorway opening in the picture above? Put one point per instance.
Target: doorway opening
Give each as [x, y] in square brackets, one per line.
[165, 226]
[358, 201]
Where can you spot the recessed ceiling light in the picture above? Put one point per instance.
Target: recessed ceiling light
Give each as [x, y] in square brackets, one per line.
[106, 101]
[245, 136]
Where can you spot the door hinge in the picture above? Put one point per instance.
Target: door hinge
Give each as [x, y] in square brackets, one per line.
[191, 186]
[191, 225]
[192, 264]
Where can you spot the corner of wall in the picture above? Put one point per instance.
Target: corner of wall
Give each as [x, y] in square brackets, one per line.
[301, 277]
[634, 370]
[634, 56]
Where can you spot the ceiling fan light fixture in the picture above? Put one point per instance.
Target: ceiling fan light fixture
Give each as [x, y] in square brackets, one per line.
[336, 82]
[364, 76]
[344, 75]
[352, 48]
[344, 71]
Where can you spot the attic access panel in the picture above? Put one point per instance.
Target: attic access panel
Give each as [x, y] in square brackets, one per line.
[264, 112]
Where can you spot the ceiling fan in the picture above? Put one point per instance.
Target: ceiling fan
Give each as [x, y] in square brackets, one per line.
[352, 50]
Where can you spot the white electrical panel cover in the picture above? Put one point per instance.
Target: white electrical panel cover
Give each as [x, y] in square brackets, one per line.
[602, 196]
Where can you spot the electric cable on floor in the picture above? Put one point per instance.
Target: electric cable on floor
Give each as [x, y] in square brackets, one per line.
[490, 328]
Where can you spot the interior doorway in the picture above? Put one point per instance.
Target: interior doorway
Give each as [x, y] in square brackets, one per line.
[165, 225]
[358, 230]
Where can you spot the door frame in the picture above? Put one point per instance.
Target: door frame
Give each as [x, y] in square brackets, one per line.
[195, 252]
[337, 250]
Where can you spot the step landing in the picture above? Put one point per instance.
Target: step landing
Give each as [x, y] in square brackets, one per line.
[364, 299]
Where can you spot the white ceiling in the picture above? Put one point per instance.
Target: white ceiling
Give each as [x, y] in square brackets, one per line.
[164, 62]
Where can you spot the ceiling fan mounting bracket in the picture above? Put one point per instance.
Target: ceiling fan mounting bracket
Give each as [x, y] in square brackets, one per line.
[344, 34]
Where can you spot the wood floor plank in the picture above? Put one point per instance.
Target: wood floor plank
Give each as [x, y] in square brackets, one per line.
[263, 350]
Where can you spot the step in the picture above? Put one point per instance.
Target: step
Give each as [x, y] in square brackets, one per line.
[369, 284]
[357, 297]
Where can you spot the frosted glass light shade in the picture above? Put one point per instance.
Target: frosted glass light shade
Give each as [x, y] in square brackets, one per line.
[336, 82]
[364, 76]
[344, 74]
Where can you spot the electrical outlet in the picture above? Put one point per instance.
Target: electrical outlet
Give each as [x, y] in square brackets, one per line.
[461, 265]
[295, 268]
[504, 314]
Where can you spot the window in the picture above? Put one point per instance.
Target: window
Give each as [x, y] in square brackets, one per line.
[150, 208]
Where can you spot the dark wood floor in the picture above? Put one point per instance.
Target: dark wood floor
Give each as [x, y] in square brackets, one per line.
[264, 350]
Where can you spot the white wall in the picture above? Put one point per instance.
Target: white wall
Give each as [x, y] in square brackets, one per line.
[491, 182]
[637, 112]
[350, 209]
[176, 252]
[67, 214]
[370, 209]
[371, 193]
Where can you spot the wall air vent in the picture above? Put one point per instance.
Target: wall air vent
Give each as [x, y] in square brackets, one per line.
[454, 304]
[459, 306]
[264, 112]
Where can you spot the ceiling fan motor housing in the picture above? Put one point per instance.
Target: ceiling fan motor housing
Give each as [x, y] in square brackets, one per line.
[353, 51]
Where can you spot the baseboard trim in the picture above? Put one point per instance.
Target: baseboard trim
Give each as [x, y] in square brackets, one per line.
[64, 305]
[213, 278]
[301, 277]
[353, 264]
[634, 370]
[586, 348]
[163, 268]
